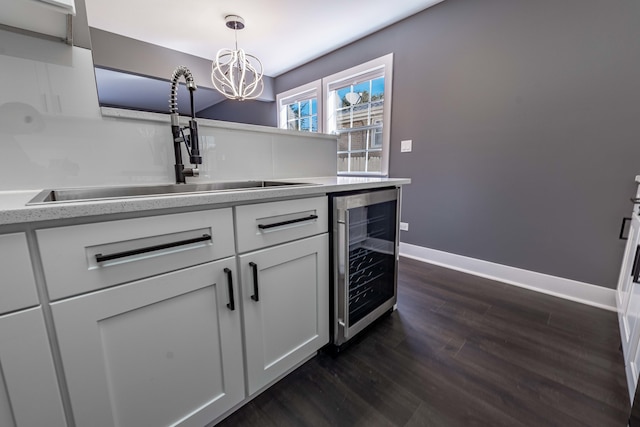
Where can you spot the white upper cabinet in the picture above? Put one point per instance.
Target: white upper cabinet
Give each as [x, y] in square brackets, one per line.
[62, 6]
[47, 17]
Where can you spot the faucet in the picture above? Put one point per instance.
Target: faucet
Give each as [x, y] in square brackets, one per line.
[190, 140]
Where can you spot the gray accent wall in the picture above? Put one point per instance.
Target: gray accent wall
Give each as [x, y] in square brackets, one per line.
[116, 52]
[80, 28]
[250, 112]
[525, 121]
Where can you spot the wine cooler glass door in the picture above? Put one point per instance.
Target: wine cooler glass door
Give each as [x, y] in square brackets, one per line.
[372, 258]
[365, 242]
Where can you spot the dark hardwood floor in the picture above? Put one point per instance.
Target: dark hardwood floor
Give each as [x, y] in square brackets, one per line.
[460, 351]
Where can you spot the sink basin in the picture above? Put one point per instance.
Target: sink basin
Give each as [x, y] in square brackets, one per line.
[104, 193]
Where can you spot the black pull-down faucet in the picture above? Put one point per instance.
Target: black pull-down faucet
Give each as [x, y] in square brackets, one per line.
[191, 140]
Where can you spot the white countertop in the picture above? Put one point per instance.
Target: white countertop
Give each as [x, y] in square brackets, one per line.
[13, 208]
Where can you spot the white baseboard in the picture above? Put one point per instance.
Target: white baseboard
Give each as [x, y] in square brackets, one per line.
[573, 290]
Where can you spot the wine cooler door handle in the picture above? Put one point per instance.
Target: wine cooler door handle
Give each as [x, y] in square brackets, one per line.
[231, 305]
[347, 274]
[256, 295]
[624, 222]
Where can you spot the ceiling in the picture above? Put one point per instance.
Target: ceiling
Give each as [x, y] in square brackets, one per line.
[284, 34]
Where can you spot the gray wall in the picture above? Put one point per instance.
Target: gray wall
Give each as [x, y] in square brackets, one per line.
[250, 112]
[80, 27]
[525, 121]
[117, 52]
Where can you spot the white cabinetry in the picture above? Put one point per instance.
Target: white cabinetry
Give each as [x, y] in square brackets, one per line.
[146, 327]
[289, 321]
[42, 16]
[628, 304]
[18, 289]
[156, 352]
[73, 261]
[285, 288]
[29, 394]
[160, 321]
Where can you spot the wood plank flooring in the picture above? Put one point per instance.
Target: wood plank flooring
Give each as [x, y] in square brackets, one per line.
[460, 351]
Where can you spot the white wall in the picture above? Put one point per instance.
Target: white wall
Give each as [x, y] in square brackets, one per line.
[52, 133]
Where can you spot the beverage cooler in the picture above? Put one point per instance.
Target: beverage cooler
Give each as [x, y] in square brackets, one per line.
[364, 259]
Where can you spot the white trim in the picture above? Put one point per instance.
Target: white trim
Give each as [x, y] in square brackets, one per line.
[572, 290]
[382, 66]
[306, 91]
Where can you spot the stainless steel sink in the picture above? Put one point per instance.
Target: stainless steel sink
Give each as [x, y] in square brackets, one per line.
[105, 193]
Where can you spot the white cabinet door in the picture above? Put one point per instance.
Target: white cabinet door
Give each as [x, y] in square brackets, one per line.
[18, 289]
[288, 319]
[156, 352]
[628, 304]
[29, 393]
[624, 281]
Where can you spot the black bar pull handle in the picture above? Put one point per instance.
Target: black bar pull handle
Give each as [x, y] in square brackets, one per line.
[256, 295]
[635, 270]
[624, 222]
[231, 305]
[291, 221]
[635, 200]
[102, 258]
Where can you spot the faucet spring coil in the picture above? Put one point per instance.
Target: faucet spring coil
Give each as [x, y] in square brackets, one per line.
[191, 85]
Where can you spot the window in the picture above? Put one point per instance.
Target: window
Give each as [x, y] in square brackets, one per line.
[298, 108]
[357, 107]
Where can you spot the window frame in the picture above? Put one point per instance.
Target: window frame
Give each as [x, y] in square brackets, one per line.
[322, 90]
[306, 91]
[379, 67]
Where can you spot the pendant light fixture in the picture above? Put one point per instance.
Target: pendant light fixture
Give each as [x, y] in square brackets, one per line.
[234, 73]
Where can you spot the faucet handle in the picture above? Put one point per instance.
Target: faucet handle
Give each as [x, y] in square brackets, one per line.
[191, 172]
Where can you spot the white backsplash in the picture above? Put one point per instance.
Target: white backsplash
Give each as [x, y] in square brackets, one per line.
[56, 137]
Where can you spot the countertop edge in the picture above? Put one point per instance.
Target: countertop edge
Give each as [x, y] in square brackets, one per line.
[13, 209]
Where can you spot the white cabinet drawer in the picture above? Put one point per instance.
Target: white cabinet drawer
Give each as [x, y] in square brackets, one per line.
[18, 287]
[83, 258]
[268, 224]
